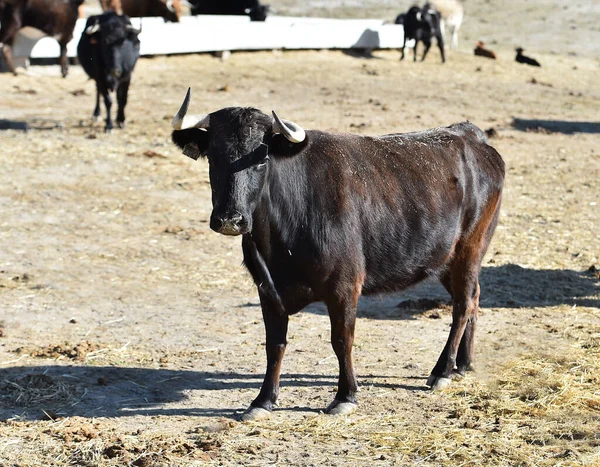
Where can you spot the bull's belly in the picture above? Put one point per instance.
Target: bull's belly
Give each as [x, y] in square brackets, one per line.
[396, 267]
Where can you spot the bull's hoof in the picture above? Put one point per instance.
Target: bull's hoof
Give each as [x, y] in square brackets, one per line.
[340, 408]
[121, 125]
[108, 131]
[437, 383]
[255, 413]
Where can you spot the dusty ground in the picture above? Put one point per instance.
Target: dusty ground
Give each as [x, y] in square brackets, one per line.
[134, 327]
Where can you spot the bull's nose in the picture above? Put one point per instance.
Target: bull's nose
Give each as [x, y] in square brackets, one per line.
[233, 224]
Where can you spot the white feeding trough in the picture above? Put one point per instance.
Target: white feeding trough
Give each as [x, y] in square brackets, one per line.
[219, 33]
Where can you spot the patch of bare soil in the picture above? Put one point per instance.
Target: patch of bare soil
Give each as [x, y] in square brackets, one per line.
[141, 334]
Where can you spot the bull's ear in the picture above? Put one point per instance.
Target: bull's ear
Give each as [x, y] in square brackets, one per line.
[193, 141]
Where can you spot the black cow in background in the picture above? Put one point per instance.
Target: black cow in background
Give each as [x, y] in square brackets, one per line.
[108, 50]
[56, 18]
[422, 24]
[252, 8]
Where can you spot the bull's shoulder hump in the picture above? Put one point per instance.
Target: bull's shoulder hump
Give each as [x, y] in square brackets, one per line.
[463, 130]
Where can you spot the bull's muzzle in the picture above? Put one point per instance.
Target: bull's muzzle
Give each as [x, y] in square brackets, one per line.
[233, 224]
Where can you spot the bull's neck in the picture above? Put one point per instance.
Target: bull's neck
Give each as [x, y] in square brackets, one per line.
[282, 208]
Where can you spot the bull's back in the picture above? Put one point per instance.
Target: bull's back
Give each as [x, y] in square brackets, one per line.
[408, 198]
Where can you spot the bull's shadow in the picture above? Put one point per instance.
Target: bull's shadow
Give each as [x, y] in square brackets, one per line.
[104, 391]
[507, 286]
[556, 126]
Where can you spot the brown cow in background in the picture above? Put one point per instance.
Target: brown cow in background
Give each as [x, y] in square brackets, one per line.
[56, 18]
[170, 10]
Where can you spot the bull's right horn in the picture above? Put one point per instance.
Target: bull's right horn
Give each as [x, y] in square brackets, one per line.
[94, 28]
[132, 28]
[182, 121]
[171, 7]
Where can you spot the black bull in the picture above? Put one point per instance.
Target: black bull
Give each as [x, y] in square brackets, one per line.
[330, 216]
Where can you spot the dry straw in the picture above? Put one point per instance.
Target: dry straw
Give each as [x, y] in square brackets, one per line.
[540, 410]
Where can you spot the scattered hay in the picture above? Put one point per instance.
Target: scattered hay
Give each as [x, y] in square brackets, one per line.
[541, 410]
[36, 390]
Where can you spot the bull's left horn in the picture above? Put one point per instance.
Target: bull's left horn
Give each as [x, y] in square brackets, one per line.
[171, 7]
[292, 131]
[182, 121]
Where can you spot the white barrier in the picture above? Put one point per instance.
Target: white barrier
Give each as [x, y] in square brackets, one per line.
[218, 33]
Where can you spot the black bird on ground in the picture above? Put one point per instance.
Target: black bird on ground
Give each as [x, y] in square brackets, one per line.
[525, 59]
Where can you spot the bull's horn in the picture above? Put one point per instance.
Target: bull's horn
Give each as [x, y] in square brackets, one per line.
[134, 29]
[182, 121]
[170, 6]
[292, 131]
[94, 28]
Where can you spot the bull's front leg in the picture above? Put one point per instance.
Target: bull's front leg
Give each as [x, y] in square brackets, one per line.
[108, 127]
[276, 325]
[122, 91]
[96, 114]
[403, 47]
[342, 314]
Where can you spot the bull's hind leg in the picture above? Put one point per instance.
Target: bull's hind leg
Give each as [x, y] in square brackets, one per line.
[465, 349]
[464, 357]
[464, 285]
[462, 279]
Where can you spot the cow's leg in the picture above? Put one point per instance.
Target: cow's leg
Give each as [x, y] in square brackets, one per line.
[8, 57]
[415, 50]
[11, 23]
[465, 349]
[64, 60]
[427, 43]
[454, 43]
[440, 43]
[464, 273]
[464, 287]
[276, 326]
[122, 91]
[342, 314]
[108, 127]
[464, 356]
[403, 47]
[96, 115]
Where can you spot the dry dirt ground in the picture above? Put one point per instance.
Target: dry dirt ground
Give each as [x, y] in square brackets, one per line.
[131, 334]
